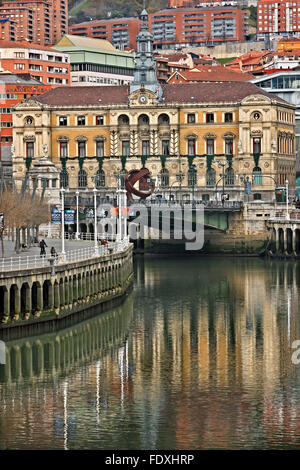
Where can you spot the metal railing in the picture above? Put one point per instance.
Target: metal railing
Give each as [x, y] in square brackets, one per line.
[39, 261]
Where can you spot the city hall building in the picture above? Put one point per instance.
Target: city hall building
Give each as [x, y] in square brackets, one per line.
[199, 140]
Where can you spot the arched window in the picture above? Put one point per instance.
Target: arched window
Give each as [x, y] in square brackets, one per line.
[164, 175]
[123, 120]
[82, 179]
[100, 179]
[163, 120]
[64, 179]
[229, 177]
[211, 177]
[143, 120]
[256, 175]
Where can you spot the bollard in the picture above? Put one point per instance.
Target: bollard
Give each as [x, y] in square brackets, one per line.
[52, 261]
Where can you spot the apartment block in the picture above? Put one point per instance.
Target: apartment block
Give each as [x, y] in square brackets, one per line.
[44, 64]
[279, 17]
[40, 21]
[121, 32]
[171, 27]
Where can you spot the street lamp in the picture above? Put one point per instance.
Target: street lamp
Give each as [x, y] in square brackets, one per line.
[63, 253]
[287, 199]
[77, 215]
[121, 203]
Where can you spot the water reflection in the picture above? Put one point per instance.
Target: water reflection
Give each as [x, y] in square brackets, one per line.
[198, 357]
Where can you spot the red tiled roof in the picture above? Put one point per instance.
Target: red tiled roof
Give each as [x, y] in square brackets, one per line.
[202, 92]
[211, 73]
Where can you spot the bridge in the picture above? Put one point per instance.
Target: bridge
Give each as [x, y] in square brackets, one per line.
[284, 234]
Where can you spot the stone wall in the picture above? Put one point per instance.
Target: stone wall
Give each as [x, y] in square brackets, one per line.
[31, 296]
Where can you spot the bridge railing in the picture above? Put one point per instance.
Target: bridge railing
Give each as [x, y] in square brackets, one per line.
[37, 261]
[208, 204]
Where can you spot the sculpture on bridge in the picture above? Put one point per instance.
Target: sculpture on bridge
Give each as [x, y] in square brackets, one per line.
[131, 178]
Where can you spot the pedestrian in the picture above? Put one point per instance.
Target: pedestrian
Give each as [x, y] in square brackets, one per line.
[53, 252]
[42, 247]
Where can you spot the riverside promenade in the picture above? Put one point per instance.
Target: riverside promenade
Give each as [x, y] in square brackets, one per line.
[42, 293]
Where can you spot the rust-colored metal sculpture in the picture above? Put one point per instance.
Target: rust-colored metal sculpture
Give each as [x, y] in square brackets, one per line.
[131, 178]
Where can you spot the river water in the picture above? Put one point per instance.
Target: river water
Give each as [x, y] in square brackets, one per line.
[199, 356]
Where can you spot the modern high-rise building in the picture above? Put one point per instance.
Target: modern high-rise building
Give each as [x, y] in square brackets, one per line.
[40, 21]
[278, 18]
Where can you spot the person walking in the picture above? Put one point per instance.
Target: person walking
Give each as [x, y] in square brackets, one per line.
[42, 247]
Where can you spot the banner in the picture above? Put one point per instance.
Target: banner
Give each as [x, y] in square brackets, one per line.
[69, 216]
[55, 216]
[247, 187]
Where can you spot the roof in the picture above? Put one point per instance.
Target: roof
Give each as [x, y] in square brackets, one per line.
[85, 42]
[26, 45]
[213, 73]
[189, 93]
[15, 79]
[106, 20]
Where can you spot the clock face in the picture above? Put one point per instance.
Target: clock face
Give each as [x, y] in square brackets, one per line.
[143, 99]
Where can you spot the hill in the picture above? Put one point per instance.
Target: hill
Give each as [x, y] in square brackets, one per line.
[84, 10]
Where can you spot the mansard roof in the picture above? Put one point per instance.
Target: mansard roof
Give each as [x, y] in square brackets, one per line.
[203, 92]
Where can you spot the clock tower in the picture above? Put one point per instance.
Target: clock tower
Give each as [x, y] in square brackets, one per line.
[145, 65]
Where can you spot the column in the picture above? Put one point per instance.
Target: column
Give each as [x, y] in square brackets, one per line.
[28, 301]
[50, 296]
[285, 240]
[75, 288]
[294, 241]
[17, 302]
[56, 296]
[277, 239]
[62, 293]
[39, 299]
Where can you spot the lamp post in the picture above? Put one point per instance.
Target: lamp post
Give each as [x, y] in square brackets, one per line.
[287, 199]
[77, 215]
[121, 203]
[63, 222]
[95, 222]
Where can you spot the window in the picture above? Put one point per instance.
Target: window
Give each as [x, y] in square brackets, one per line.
[229, 177]
[81, 121]
[82, 179]
[100, 179]
[210, 177]
[81, 149]
[64, 179]
[164, 175]
[228, 117]
[100, 148]
[256, 176]
[210, 117]
[63, 121]
[145, 147]
[210, 146]
[191, 147]
[229, 146]
[99, 120]
[125, 147]
[256, 145]
[191, 118]
[192, 176]
[165, 147]
[30, 149]
[63, 149]
[257, 197]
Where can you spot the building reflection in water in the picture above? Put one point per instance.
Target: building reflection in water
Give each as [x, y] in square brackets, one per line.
[198, 357]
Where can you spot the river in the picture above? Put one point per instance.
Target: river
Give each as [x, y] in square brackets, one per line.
[199, 356]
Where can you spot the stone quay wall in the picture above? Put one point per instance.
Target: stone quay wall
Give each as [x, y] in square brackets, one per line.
[39, 299]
